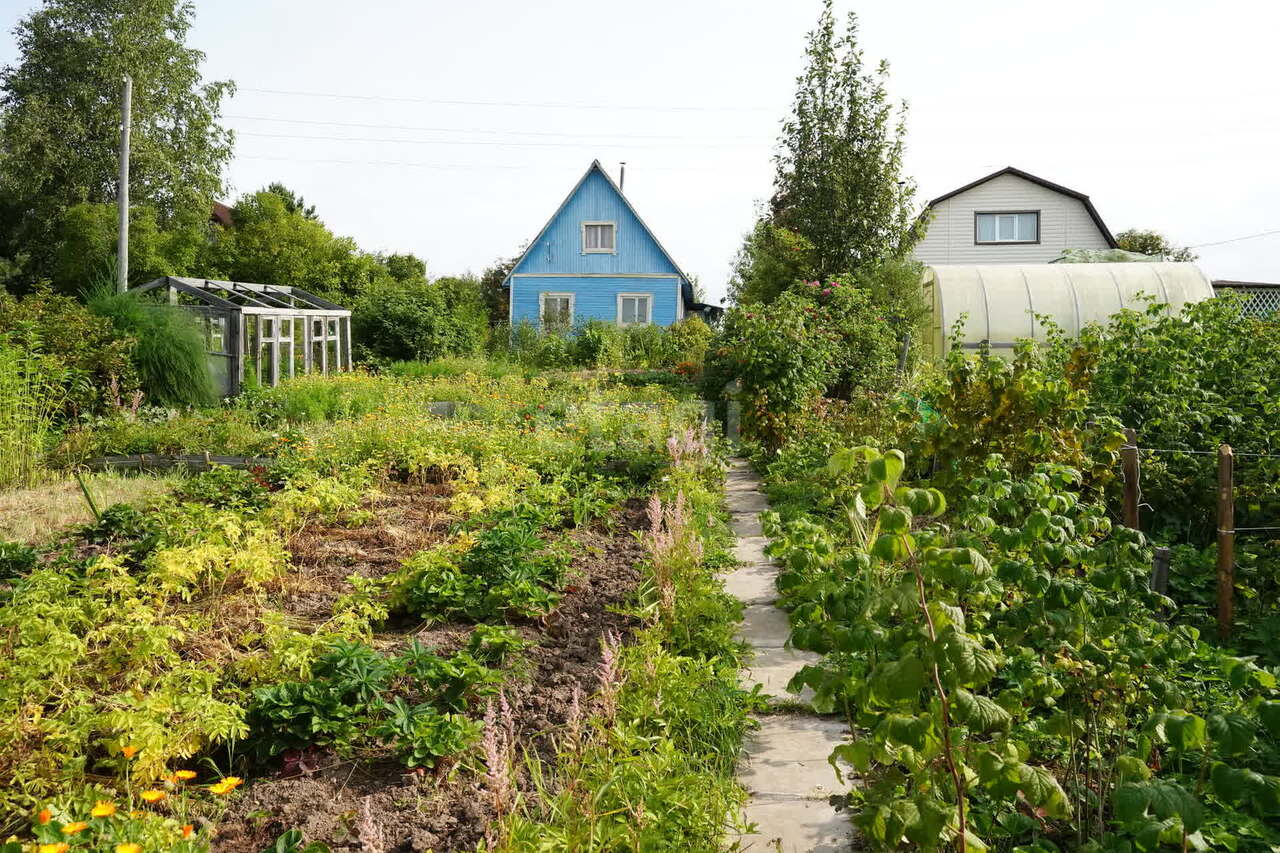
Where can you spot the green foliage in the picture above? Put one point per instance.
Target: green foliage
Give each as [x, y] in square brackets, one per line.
[1152, 243]
[31, 397]
[176, 246]
[62, 110]
[357, 693]
[169, 355]
[839, 184]
[1014, 659]
[508, 571]
[405, 321]
[91, 360]
[291, 841]
[224, 488]
[16, 559]
[770, 261]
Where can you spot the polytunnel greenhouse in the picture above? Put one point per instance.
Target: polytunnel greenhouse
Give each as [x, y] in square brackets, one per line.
[999, 303]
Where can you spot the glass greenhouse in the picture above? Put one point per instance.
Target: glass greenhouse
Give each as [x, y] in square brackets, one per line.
[267, 331]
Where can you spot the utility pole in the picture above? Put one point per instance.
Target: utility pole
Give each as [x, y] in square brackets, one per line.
[122, 247]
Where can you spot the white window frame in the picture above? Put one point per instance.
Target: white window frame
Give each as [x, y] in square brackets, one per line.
[542, 304]
[977, 218]
[649, 312]
[610, 251]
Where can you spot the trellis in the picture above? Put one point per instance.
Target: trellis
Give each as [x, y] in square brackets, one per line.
[1263, 298]
[268, 331]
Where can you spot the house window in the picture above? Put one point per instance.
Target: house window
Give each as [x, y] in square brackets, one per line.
[555, 311]
[598, 237]
[1022, 226]
[634, 308]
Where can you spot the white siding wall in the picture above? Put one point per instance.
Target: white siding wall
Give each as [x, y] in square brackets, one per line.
[1064, 224]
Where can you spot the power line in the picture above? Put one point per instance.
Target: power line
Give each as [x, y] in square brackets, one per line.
[532, 104]
[1236, 239]
[499, 143]
[474, 129]
[418, 165]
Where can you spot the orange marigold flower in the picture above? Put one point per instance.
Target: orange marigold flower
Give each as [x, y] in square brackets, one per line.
[45, 816]
[187, 829]
[74, 827]
[60, 847]
[184, 775]
[103, 809]
[226, 786]
[128, 751]
[152, 795]
[129, 847]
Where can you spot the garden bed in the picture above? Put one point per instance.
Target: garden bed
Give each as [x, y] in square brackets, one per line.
[372, 803]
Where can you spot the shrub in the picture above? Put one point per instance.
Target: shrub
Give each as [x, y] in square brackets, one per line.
[97, 371]
[598, 344]
[406, 321]
[688, 340]
[16, 559]
[170, 354]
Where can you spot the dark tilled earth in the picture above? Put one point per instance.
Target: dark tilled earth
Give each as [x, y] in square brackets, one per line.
[375, 806]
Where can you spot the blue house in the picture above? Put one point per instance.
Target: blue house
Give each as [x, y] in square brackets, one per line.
[595, 259]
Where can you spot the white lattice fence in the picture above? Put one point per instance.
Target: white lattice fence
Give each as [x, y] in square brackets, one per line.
[1263, 299]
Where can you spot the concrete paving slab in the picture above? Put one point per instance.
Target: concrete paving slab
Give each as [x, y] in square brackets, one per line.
[772, 668]
[746, 501]
[807, 826]
[750, 549]
[753, 584]
[745, 524]
[787, 758]
[764, 626]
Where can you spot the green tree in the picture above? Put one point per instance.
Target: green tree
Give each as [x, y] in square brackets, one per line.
[1152, 243]
[60, 116]
[495, 295]
[769, 262]
[839, 182]
[293, 202]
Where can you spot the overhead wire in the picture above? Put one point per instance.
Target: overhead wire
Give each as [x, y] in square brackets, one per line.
[498, 143]
[524, 104]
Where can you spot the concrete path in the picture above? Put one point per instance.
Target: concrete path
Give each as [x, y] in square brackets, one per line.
[784, 764]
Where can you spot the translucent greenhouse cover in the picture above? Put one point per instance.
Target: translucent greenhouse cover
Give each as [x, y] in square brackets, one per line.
[999, 303]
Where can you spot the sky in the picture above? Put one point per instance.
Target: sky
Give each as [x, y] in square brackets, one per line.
[454, 130]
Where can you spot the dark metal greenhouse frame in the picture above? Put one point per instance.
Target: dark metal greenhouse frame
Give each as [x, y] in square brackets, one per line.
[272, 331]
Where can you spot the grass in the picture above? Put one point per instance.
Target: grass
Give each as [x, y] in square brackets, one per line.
[29, 401]
[34, 515]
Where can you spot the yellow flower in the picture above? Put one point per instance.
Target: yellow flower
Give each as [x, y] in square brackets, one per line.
[184, 775]
[74, 827]
[128, 751]
[226, 786]
[153, 796]
[129, 847]
[187, 829]
[103, 809]
[60, 847]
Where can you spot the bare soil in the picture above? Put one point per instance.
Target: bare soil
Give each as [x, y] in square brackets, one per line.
[376, 806]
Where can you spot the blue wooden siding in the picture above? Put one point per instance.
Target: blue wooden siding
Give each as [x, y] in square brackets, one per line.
[593, 298]
[559, 248]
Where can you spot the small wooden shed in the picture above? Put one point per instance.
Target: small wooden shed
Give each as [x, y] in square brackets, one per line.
[267, 331]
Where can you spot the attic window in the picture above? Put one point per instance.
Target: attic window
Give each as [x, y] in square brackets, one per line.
[598, 237]
[1015, 226]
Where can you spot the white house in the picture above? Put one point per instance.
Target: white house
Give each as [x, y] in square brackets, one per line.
[1010, 217]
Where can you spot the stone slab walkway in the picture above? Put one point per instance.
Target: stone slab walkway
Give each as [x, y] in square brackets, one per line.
[784, 763]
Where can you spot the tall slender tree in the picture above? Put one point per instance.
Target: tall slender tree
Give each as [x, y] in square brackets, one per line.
[839, 183]
[60, 119]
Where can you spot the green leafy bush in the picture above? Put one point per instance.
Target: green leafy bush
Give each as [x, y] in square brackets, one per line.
[16, 559]
[224, 488]
[416, 321]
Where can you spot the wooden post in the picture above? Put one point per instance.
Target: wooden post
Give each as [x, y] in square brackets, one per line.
[1129, 455]
[1160, 571]
[1226, 542]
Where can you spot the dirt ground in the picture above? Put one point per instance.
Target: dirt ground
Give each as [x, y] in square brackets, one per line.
[375, 806]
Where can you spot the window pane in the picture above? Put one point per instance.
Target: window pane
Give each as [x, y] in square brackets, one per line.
[598, 237]
[628, 309]
[986, 228]
[1027, 223]
[642, 310]
[268, 328]
[1008, 227]
[606, 236]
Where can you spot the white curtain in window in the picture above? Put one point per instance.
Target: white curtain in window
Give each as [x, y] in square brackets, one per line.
[599, 237]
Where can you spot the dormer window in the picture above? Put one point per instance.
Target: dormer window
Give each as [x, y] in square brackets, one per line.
[598, 237]
[1015, 226]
